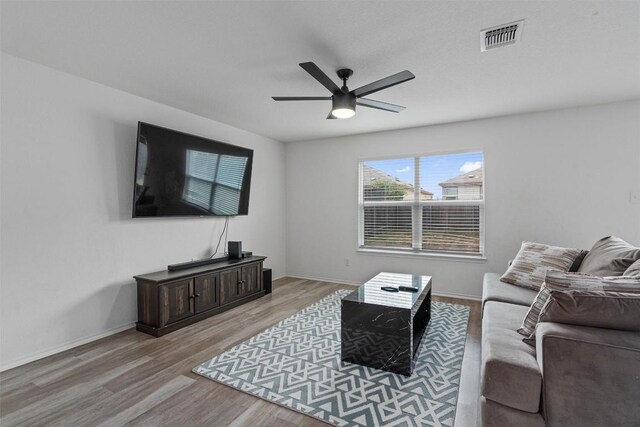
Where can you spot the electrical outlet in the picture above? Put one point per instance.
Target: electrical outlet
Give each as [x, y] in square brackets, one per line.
[346, 262]
[634, 197]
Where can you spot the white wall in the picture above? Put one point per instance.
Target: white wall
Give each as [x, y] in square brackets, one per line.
[69, 247]
[560, 177]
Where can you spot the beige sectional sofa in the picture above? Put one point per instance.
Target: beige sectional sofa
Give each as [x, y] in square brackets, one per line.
[575, 376]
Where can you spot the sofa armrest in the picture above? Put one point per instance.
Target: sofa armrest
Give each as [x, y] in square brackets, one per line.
[590, 376]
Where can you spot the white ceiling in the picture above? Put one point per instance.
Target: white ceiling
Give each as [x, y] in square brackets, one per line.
[224, 60]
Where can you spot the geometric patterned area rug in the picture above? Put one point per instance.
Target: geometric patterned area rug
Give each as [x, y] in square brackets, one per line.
[296, 364]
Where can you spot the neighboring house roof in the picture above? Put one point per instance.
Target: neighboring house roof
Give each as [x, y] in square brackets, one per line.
[372, 175]
[471, 178]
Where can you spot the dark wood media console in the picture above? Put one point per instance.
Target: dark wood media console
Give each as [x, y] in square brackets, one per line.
[170, 300]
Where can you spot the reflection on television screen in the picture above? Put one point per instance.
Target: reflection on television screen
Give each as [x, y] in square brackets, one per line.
[214, 181]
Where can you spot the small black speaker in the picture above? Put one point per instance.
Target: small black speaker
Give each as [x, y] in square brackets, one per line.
[266, 280]
[235, 250]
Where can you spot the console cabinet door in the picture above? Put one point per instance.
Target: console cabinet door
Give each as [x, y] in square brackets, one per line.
[176, 301]
[229, 285]
[251, 279]
[207, 292]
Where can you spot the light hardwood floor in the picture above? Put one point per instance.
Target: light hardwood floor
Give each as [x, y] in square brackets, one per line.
[134, 379]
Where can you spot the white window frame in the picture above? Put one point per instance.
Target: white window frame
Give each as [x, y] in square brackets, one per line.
[417, 206]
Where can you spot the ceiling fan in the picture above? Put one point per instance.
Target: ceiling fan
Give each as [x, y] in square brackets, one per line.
[343, 100]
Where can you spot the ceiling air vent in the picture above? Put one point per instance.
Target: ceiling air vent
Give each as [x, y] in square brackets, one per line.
[500, 36]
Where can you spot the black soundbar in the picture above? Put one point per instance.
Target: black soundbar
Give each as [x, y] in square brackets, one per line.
[196, 263]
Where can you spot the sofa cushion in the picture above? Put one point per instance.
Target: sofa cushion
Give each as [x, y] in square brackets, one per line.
[495, 290]
[634, 270]
[509, 372]
[597, 309]
[582, 299]
[610, 256]
[533, 261]
[602, 302]
[558, 280]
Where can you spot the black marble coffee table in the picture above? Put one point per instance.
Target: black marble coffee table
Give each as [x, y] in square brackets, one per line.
[383, 329]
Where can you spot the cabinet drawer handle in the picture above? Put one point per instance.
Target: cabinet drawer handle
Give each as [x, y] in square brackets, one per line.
[194, 296]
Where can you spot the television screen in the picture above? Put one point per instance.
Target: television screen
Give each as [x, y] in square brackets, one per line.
[178, 174]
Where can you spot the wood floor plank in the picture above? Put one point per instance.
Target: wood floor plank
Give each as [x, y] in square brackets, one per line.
[150, 369]
[42, 411]
[95, 379]
[152, 400]
[126, 403]
[39, 369]
[134, 379]
[222, 407]
[265, 413]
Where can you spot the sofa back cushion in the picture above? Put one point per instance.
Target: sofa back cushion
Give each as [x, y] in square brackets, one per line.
[582, 299]
[597, 309]
[610, 256]
[634, 270]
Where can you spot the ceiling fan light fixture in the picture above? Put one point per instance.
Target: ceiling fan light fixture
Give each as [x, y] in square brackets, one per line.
[342, 113]
[344, 106]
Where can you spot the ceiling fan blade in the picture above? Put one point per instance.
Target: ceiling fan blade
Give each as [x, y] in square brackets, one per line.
[393, 80]
[330, 116]
[379, 105]
[320, 76]
[301, 98]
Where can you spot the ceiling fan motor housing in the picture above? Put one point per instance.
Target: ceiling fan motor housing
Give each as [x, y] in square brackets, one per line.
[344, 100]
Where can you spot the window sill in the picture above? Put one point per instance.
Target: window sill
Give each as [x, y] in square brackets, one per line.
[404, 254]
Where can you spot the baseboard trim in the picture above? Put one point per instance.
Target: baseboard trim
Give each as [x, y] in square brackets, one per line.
[324, 279]
[60, 349]
[346, 282]
[458, 296]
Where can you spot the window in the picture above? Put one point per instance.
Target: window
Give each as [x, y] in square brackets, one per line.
[425, 204]
[450, 193]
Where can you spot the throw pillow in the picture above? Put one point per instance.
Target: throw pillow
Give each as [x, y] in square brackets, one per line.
[532, 262]
[583, 292]
[634, 270]
[531, 318]
[610, 256]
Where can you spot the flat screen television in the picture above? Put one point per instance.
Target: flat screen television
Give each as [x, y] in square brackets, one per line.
[184, 175]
